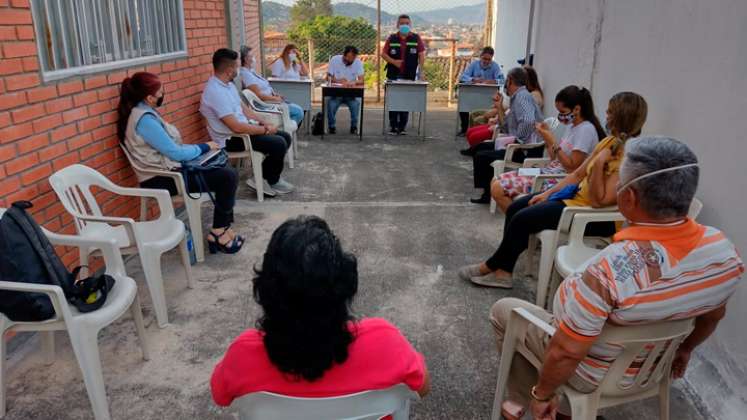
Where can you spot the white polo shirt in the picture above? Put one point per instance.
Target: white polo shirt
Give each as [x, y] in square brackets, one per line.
[340, 71]
[250, 77]
[220, 99]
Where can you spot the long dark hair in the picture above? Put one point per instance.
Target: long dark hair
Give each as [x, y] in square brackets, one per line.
[133, 90]
[533, 81]
[572, 95]
[305, 288]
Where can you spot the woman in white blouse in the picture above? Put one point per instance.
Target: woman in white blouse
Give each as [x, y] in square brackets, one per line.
[289, 64]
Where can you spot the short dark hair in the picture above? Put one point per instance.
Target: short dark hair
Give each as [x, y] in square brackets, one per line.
[403, 16]
[488, 50]
[224, 57]
[518, 76]
[350, 49]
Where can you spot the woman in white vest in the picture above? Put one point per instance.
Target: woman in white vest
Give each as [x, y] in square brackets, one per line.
[154, 143]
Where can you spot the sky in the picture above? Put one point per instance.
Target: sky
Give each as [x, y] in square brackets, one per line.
[401, 6]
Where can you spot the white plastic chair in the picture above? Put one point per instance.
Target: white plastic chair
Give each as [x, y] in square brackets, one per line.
[192, 206]
[367, 405]
[574, 256]
[83, 328]
[256, 159]
[652, 379]
[148, 239]
[507, 164]
[279, 115]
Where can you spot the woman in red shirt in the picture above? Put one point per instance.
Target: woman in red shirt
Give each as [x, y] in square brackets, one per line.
[307, 343]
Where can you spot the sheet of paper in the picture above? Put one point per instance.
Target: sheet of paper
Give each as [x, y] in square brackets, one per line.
[529, 171]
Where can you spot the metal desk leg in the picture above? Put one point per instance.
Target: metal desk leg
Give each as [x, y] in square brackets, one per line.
[383, 117]
[324, 116]
[360, 121]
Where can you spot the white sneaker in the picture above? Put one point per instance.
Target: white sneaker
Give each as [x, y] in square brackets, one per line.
[283, 187]
[265, 186]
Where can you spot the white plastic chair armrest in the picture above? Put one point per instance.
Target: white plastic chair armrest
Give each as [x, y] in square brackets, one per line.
[578, 227]
[536, 162]
[531, 319]
[162, 196]
[247, 141]
[564, 225]
[108, 248]
[127, 222]
[55, 293]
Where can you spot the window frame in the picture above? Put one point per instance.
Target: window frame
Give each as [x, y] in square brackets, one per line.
[87, 69]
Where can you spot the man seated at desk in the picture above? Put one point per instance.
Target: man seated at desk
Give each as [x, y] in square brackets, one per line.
[345, 70]
[485, 71]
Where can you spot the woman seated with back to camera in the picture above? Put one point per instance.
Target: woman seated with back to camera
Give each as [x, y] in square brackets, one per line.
[307, 343]
[155, 144]
[593, 184]
[575, 109]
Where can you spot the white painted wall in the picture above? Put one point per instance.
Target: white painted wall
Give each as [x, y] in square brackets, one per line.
[512, 20]
[688, 58]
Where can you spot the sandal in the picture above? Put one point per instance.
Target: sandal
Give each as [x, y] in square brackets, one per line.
[230, 248]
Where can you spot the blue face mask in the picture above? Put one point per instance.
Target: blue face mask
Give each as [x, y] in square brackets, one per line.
[404, 29]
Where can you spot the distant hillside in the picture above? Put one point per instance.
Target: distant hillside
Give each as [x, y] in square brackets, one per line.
[278, 15]
[470, 15]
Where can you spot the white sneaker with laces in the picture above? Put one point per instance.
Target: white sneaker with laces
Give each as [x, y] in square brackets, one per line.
[283, 187]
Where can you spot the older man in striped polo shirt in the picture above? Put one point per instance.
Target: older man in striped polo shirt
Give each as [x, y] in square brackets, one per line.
[662, 266]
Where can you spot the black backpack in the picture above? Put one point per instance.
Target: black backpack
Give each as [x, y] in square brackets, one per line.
[317, 124]
[26, 256]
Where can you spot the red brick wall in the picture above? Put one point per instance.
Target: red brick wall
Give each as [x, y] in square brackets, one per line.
[47, 126]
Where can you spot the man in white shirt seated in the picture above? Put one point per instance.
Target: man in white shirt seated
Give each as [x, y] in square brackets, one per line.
[251, 80]
[347, 70]
[227, 115]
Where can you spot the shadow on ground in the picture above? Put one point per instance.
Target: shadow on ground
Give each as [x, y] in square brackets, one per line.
[401, 205]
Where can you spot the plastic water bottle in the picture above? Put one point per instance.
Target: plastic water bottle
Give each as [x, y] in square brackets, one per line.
[191, 248]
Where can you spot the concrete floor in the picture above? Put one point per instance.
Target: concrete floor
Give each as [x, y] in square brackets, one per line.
[401, 205]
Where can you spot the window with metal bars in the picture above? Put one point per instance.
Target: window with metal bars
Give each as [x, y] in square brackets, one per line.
[77, 37]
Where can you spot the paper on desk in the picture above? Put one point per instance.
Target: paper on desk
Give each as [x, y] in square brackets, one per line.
[529, 171]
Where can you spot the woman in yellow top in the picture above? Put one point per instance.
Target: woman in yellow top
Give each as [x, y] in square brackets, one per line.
[593, 184]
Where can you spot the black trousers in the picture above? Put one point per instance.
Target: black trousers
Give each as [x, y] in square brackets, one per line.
[398, 119]
[523, 220]
[485, 154]
[221, 181]
[464, 119]
[273, 145]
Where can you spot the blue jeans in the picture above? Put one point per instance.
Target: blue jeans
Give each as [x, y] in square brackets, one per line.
[296, 113]
[353, 104]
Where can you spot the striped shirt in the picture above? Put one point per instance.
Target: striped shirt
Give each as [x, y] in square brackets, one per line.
[633, 282]
[524, 114]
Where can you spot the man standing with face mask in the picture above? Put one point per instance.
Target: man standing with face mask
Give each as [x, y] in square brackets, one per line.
[404, 53]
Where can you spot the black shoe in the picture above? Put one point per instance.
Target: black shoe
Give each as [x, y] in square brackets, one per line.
[461, 134]
[401, 132]
[393, 131]
[484, 199]
[467, 152]
[332, 130]
[353, 130]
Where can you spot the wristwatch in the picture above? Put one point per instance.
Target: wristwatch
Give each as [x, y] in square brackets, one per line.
[533, 394]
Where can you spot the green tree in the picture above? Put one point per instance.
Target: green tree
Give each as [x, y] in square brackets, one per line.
[437, 75]
[305, 10]
[331, 34]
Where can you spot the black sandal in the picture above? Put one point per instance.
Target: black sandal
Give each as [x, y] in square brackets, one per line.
[230, 248]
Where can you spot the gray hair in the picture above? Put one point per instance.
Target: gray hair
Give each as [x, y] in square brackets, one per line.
[244, 51]
[664, 195]
[518, 76]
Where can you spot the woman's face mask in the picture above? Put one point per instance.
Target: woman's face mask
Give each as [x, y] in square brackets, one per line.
[292, 56]
[565, 118]
[159, 101]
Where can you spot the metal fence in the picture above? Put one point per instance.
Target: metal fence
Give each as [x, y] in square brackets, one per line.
[321, 29]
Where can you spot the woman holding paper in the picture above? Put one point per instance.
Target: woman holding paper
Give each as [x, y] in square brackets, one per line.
[576, 109]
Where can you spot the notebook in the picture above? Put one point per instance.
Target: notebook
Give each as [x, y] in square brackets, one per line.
[206, 157]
